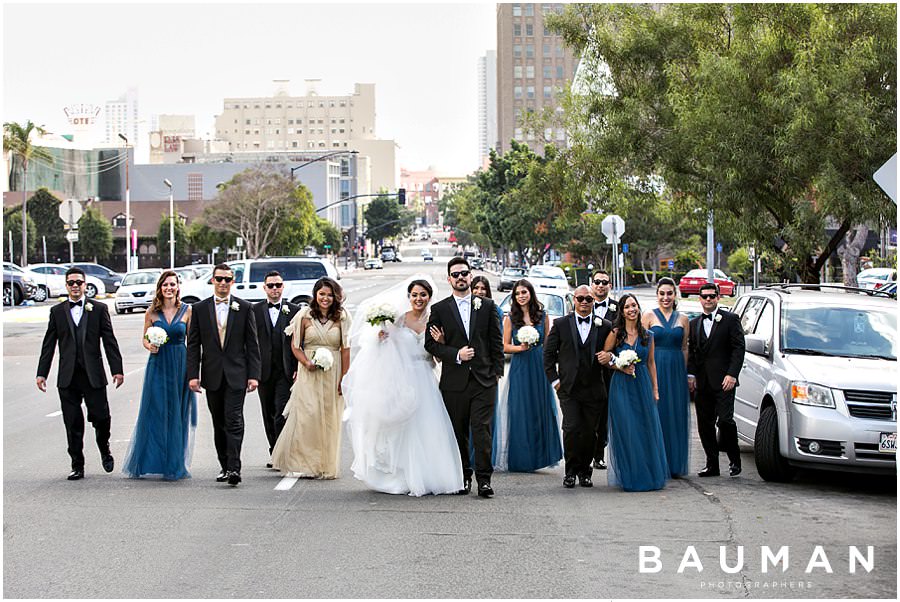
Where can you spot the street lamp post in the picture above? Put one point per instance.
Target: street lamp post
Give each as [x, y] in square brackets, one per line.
[171, 225]
[322, 158]
[127, 209]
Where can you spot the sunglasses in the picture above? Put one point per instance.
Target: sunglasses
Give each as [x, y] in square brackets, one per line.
[223, 278]
[709, 296]
[74, 282]
[587, 299]
[461, 274]
[601, 282]
[274, 284]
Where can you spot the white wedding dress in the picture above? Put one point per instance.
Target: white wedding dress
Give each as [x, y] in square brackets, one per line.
[403, 440]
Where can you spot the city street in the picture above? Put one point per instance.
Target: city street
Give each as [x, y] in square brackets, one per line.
[111, 537]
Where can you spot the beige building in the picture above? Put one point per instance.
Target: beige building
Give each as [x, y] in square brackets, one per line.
[533, 67]
[312, 123]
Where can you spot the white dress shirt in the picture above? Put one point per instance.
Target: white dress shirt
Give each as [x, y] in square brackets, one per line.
[273, 313]
[601, 307]
[708, 324]
[222, 310]
[584, 328]
[77, 311]
[464, 304]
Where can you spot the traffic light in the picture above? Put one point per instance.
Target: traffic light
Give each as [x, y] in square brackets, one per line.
[401, 196]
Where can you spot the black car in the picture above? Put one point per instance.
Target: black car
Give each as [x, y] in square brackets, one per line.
[17, 286]
[508, 277]
[111, 280]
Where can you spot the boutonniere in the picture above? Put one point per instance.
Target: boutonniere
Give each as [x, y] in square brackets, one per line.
[718, 318]
[285, 309]
[88, 307]
[235, 306]
[476, 303]
[598, 321]
[612, 306]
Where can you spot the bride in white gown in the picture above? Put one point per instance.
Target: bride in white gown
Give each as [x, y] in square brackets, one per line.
[403, 440]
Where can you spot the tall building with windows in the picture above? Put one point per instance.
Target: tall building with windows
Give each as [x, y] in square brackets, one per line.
[533, 67]
[121, 117]
[487, 105]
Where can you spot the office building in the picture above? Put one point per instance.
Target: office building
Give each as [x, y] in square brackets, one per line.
[487, 105]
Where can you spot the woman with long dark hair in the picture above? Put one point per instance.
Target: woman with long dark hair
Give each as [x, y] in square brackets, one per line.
[527, 426]
[637, 456]
[670, 342]
[162, 441]
[310, 442]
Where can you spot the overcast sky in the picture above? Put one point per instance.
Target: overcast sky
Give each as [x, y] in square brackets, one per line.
[186, 58]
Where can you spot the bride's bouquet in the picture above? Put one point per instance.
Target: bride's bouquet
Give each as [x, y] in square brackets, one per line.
[627, 358]
[528, 335]
[323, 359]
[156, 336]
[379, 314]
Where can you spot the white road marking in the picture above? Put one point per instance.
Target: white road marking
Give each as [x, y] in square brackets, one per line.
[54, 414]
[286, 483]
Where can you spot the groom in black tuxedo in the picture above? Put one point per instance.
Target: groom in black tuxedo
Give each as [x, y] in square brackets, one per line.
[604, 307]
[79, 325]
[278, 364]
[715, 357]
[471, 364]
[222, 341]
[575, 362]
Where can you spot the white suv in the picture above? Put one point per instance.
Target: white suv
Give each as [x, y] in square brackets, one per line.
[819, 380]
[299, 273]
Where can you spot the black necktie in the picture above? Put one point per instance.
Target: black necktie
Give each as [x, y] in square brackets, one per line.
[74, 304]
[271, 305]
[584, 320]
[708, 316]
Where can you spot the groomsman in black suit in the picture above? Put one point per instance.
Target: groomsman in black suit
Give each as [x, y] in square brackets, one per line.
[277, 363]
[715, 356]
[222, 341]
[604, 307]
[574, 362]
[78, 326]
[472, 363]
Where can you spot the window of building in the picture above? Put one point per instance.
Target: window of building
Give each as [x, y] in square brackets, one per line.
[529, 51]
[518, 134]
[237, 106]
[311, 104]
[246, 122]
[529, 92]
[529, 71]
[290, 122]
[560, 72]
[294, 144]
[547, 93]
[299, 131]
[290, 130]
[256, 106]
[529, 29]
[547, 31]
[559, 52]
[278, 122]
[247, 132]
[321, 104]
[517, 92]
[277, 131]
[341, 130]
[334, 130]
[343, 103]
[546, 50]
[529, 10]
[331, 104]
[517, 10]
[517, 51]
[311, 144]
[517, 71]
[277, 106]
[256, 145]
[548, 71]
[256, 132]
[195, 186]
[256, 122]
[319, 121]
[517, 29]
[119, 221]
[341, 121]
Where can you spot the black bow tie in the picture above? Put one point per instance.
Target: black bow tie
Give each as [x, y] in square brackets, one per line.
[584, 320]
[600, 304]
[271, 305]
[74, 303]
[708, 316]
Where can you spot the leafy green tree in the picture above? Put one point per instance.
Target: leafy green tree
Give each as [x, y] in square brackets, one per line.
[774, 116]
[43, 208]
[326, 233]
[181, 237]
[204, 239]
[385, 218]
[739, 264]
[17, 142]
[12, 222]
[95, 236]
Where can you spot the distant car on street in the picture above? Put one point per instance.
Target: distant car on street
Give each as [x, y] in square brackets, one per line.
[111, 280]
[548, 277]
[427, 257]
[434, 241]
[875, 278]
[17, 285]
[690, 283]
[373, 263]
[51, 277]
[137, 290]
[508, 277]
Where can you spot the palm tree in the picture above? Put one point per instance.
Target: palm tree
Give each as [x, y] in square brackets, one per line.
[17, 141]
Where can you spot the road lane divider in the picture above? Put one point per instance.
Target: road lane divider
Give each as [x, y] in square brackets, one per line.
[286, 483]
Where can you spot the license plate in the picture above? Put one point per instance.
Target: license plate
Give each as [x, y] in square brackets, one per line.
[887, 443]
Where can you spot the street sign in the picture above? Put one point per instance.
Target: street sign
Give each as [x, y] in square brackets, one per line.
[72, 235]
[239, 241]
[671, 264]
[326, 246]
[624, 247]
[718, 247]
[613, 227]
[70, 211]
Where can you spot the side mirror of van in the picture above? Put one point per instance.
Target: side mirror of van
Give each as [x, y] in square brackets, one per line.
[757, 345]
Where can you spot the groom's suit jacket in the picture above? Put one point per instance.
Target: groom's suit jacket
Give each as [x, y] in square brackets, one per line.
[721, 353]
[485, 336]
[237, 360]
[563, 350]
[266, 332]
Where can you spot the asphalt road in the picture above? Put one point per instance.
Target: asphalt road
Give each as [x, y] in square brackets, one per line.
[111, 537]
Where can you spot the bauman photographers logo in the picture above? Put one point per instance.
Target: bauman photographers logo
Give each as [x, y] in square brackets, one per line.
[732, 561]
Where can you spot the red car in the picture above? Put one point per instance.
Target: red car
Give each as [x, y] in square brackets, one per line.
[690, 283]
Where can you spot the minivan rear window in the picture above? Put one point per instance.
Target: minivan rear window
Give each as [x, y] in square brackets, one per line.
[290, 270]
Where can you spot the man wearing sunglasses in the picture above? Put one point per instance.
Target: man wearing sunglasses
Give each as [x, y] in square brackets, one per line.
[78, 326]
[606, 308]
[223, 357]
[574, 362]
[715, 357]
[472, 363]
[277, 363]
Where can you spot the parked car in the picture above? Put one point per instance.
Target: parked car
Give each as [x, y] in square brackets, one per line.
[556, 304]
[428, 257]
[476, 263]
[508, 277]
[137, 290]
[111, 280]
[818, 387]
[299, 273]
[889, 289]
[434, 241]
[188, 273]
[388, 255]
[51, 277]
[875, 278]
[548, 277]
[17, 285]
[373, 263]
[690, 283]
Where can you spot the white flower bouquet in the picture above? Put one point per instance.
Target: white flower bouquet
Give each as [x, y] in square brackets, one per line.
[528, 335]
[323, 359]
[379, 314]
[627, 358]
[156, 336]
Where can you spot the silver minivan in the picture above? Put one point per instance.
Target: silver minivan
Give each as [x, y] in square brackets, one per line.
[819, 380]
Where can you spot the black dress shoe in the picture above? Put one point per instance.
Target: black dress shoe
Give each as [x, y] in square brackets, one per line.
[234, 478]
[599, 464]
[467, 487]
[222, 476]
[108, 462]
[708, 472]
[484, 490]
[585, 481]
[734, 469]
[268, 465]
[75, 475]
[569, 481]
